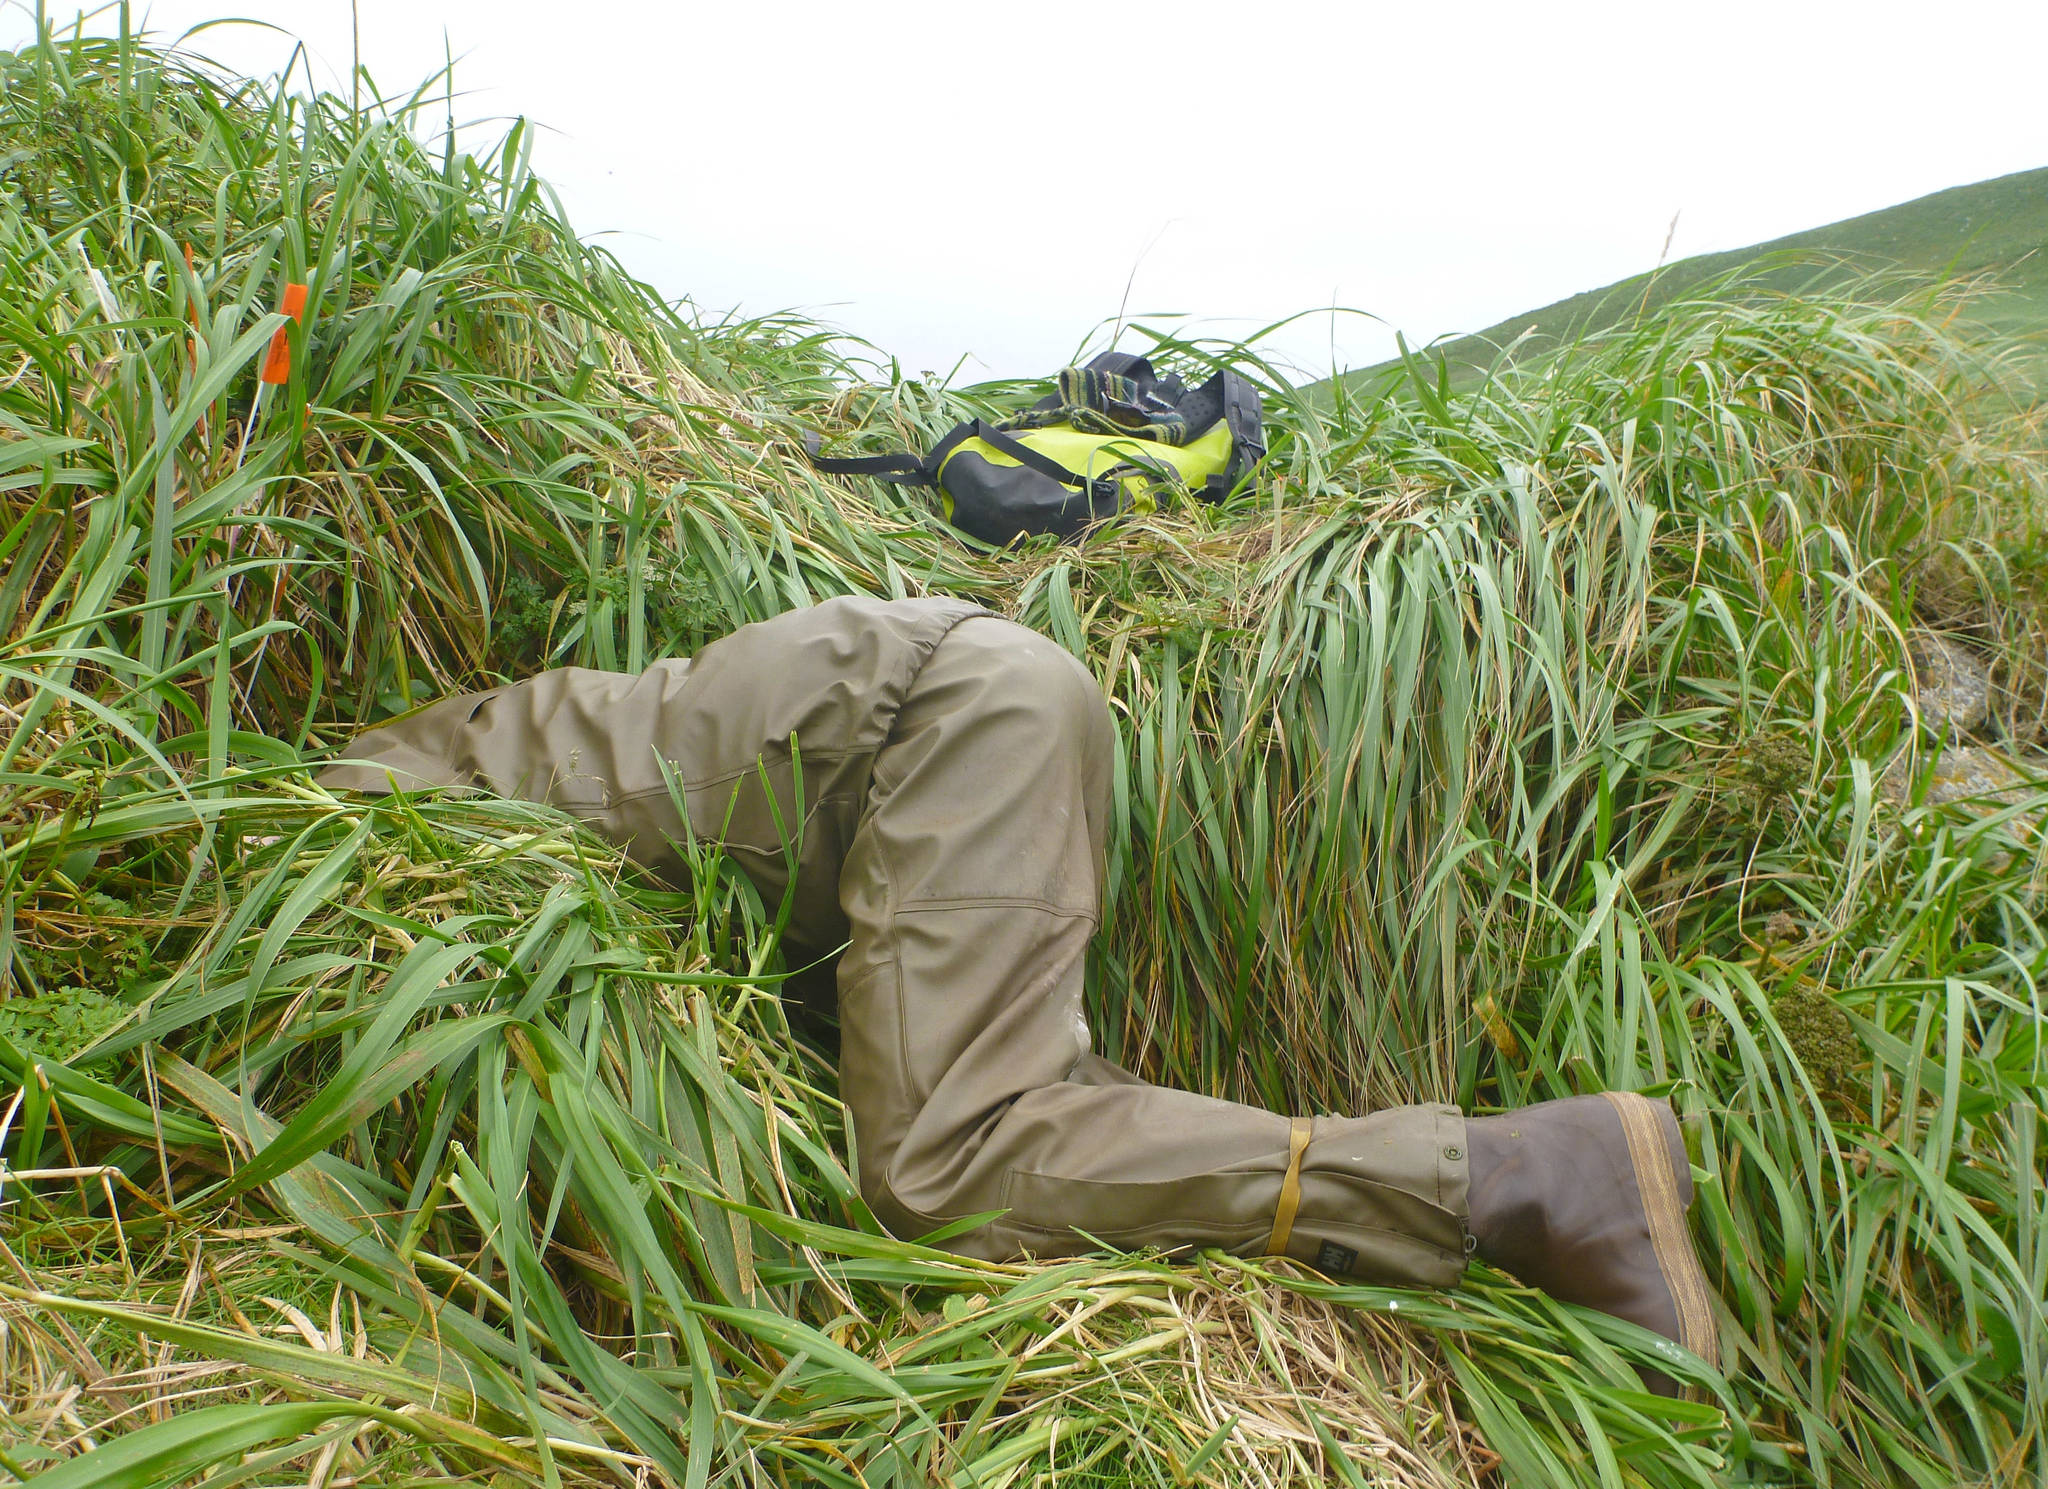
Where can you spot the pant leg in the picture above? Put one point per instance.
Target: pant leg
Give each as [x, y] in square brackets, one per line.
[955, 782]
[617, 750]
[972, 886]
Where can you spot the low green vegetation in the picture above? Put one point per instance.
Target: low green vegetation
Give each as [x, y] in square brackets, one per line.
[1558, 734]
[1992, 233]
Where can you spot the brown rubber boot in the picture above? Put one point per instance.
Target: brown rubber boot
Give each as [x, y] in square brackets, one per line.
[1586, 1199]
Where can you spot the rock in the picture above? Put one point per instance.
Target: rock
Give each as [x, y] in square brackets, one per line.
[1959, 773]
[1969, 771]
[1951, 687]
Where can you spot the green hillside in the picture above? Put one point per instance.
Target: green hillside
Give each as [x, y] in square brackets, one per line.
[1997, 227]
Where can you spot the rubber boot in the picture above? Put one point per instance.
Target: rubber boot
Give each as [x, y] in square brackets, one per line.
[1585, 1198]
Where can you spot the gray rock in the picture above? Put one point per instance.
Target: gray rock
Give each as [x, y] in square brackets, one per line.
[1970, 772]
[1951, 687]
[1959, 774]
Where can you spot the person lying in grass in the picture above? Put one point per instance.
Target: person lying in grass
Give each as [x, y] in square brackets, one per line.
[937, 780]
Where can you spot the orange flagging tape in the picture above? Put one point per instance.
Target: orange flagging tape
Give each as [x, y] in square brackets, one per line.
[277, 363]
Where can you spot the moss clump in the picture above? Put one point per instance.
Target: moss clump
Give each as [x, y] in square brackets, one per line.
[1761, 779]
[1820, 1035]
[88, 941]
[1782, 927]
[678, 602]
[683, 603]
[1772, 768]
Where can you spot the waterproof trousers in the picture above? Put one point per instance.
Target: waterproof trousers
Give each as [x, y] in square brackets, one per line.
[946, 800]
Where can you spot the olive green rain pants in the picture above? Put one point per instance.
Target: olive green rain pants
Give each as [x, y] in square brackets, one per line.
[955, 782]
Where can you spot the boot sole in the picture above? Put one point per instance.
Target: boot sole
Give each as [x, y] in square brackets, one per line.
[1665, 1183]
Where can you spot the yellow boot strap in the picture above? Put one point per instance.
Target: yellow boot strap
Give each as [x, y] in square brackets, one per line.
[1290, 1187]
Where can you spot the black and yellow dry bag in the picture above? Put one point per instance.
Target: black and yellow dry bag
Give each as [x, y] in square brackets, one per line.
[1116, 437]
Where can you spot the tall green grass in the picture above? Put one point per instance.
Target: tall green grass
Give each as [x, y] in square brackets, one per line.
[1554, 736]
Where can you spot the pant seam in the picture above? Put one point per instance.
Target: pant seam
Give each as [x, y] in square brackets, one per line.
[1438, 1166]
[892, 904]
[993, 902]
[906, 1071]
[1252, 1231]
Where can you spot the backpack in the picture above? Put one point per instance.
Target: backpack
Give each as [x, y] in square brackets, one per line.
[1112, 439]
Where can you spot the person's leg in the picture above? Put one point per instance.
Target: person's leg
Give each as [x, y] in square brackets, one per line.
[955, 786]
[608, 747]
[972, 886]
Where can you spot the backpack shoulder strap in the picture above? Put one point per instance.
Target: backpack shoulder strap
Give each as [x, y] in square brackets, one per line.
[1140, 371]
[915, 470]
[1124, 364]
[1244, 416]
[1024, 455]
[905, 469]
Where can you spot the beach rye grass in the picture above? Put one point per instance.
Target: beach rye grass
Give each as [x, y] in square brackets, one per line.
[1556, 735]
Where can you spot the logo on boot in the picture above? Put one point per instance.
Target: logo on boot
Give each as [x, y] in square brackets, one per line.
[1331, 1257]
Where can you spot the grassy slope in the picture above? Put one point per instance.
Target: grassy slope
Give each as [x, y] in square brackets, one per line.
[1998, 226]
[1498, 747]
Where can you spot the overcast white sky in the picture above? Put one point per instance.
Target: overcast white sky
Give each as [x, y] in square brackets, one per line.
[985, 182]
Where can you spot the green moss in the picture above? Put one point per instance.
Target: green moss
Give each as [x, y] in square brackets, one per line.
[683, 603]
[1766, 771]
[1773, 767]
[679, 604]
[1819, 1034]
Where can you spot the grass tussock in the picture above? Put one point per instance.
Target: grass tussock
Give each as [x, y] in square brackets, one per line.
[1557, 735]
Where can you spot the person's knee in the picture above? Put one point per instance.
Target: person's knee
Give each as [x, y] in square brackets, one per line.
[884, 1192]
[910, 1222]
[903, 1178]
[881, 1198]
[1037, 675]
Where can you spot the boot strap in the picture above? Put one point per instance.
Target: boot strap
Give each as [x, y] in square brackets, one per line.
[1290, 1186]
